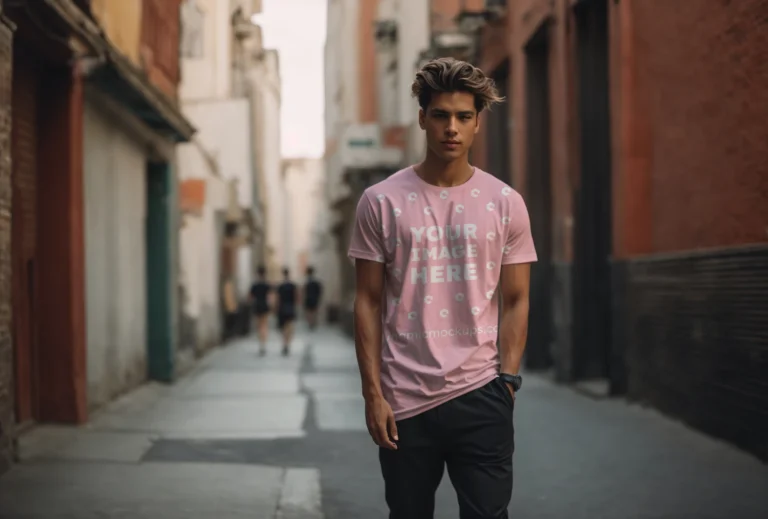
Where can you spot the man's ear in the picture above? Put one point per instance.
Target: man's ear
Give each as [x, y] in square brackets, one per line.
[422, 115]
[477, 123]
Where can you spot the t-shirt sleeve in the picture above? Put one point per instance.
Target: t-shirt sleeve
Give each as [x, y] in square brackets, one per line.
[519, 247]
[366, 242]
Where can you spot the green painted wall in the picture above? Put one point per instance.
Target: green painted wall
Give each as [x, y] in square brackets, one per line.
[161, 277]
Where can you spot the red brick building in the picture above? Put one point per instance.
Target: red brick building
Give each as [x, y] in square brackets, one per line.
[6, 344]
[637, 135]
[689, 99]
[46, 50]
[47, 237]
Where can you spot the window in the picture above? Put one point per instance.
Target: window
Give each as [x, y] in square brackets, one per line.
[192, 22]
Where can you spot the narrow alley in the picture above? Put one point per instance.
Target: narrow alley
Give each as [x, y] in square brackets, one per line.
[274, 437]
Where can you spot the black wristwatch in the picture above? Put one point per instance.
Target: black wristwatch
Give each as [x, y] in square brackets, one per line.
[515, 380]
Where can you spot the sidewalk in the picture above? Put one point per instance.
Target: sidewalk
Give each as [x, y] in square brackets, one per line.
[249, 437]
[99, 470]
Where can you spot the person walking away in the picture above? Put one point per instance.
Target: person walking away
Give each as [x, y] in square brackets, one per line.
[260, 291]
[436, 246]
[313, 291]
[286, 309]
[230, 304]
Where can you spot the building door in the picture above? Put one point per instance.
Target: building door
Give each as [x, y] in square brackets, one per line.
[539, 200]
[592, 239]
[161, 282]
[24, 147]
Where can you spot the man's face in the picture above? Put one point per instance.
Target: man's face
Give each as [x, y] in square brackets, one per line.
[450, 122]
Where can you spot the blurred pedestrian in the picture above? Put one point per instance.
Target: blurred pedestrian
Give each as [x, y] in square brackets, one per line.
[286, 309]
[260, 291]
[313, 291]
[434, 244]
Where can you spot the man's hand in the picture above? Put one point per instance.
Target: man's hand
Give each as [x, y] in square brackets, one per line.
[511, 389]
[381, 423]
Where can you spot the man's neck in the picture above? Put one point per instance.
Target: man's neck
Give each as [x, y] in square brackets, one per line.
[444, 174]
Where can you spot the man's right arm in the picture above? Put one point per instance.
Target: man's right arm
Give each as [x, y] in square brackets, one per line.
[368, 307]
[368, 294]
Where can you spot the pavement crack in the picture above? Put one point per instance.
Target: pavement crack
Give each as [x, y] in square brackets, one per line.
[278, 506]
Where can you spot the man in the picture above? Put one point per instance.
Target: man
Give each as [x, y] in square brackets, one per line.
[434, 244]
[260, 292]
[286, 309]
[313, 291]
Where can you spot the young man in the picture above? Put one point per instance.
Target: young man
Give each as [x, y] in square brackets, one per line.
[286, 309]
[260, 291]
[434, 245]
[313, 291]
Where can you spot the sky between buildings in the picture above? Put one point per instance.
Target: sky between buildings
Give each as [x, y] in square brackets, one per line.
[296, 28]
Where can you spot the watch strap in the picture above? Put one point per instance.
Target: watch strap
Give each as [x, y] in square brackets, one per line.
[516, 381]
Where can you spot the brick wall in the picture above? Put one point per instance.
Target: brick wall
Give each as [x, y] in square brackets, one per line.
[529, 17]
[690, 115]
[704, 74]
[493, 52]
[6, 354]
[544, 163]
[443, 12]
[24, 147]
[160, 43]
[693, 325]
[366, 63]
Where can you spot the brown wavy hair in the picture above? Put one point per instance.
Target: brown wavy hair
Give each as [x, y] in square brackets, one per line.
[451, 75]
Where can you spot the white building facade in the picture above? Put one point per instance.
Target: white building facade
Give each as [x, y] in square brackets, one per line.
[359, 150]
[264, 78]
[221, 235]
[303, 179]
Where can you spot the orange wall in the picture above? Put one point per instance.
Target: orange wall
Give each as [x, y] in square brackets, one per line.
[696, 133]
[527, 17]
[368, 97]
[443, 12]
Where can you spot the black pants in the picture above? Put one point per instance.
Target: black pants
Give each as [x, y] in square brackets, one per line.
[473, 435]
[285, 316]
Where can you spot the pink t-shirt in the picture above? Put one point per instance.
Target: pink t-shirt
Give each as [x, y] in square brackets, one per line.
[443, 249]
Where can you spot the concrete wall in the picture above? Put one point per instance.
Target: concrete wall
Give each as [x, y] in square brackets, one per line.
[115, 210]
[200, 258]
[224, 131]
[224, 134]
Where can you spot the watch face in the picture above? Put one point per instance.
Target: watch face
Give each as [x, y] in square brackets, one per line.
[515, 380]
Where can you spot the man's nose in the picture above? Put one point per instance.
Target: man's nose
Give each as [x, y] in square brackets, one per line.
[451, 128]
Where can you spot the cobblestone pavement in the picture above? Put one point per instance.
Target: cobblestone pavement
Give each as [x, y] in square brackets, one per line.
[246, 436]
